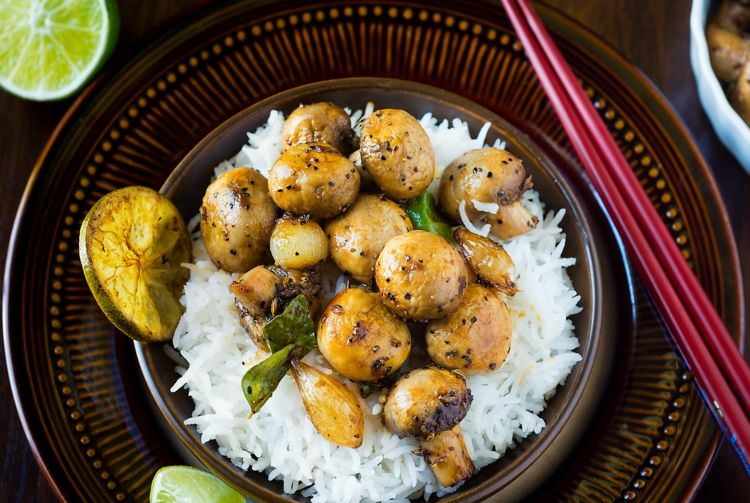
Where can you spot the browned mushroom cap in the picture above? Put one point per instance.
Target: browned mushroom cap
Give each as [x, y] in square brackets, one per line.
[488, 175]
[729, 52]
[237, 217]
[397, 152]
[315, 179]
[428, 404]
[425, 402]
[319, 122]
[357, 237]
[420, 275]
[474, 338]
[488, 260]
[360, 338]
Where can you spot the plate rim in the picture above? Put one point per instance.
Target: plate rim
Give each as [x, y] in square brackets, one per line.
[560, 24]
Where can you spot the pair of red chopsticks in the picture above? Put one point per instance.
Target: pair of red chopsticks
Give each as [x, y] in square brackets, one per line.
[719, 369]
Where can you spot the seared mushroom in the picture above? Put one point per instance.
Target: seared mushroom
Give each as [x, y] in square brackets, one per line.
[397, 152]
[729, 52]
[319, 122]
[741, 93]
[366, 180]
[488, 175]
[360, 338]
[420, 276]
[237, 217]
[429, 404]
[298, 243]
[315, 179]
[488, 260]
[475, 337]
[733, 16]
[357, 237]
[264, 291]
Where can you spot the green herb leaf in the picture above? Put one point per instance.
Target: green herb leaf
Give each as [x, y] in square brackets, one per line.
[293, 326]
[289, 335]
[259, 383]
[425, 216]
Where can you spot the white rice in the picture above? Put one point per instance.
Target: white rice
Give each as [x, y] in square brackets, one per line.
[281, 441]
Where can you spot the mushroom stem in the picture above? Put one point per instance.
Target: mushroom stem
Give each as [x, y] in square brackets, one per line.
[512, 220]
[446, 454]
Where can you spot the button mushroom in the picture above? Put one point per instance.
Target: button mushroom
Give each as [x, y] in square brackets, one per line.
[429, 404]
[733, 16]
[490, 176]
[319, 122]
[237, 216]
[315, 179]
[298, 243]
[488, 260]
[729, 52]
[475, 337]
[397, 152]
[357, 237]
[360, 338]
[420, 276]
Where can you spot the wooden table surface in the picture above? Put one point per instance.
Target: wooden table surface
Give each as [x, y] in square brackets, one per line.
[652, 33]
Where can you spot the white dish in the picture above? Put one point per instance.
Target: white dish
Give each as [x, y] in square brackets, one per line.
[729, 126]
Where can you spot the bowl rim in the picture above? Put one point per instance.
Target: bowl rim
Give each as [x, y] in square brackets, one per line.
[581, 372]
[733, 131]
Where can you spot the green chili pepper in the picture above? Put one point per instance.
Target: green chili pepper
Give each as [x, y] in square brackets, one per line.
[425, 216]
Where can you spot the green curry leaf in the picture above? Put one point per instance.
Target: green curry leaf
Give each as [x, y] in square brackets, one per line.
[294, 325]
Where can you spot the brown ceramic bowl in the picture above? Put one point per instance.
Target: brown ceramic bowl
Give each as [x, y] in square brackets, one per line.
[598, 277]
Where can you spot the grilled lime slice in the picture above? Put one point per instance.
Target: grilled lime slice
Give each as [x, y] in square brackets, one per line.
[185, 484]
[49, 49]
[132, 243]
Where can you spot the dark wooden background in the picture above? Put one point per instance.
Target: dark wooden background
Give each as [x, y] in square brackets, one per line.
[653, 34]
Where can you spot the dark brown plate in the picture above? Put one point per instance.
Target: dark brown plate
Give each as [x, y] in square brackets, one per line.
[76, 384]
[598, 277]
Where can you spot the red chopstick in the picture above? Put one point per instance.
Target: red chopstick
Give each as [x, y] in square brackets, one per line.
[716, 362]
[707, 319]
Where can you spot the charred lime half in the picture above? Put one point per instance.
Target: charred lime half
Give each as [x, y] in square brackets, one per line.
[132, 244]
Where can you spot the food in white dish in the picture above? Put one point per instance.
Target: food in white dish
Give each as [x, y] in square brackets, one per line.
[728, 36]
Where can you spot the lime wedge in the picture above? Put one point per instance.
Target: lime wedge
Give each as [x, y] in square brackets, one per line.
[185, 484]
[132, 244]
[50, 48]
